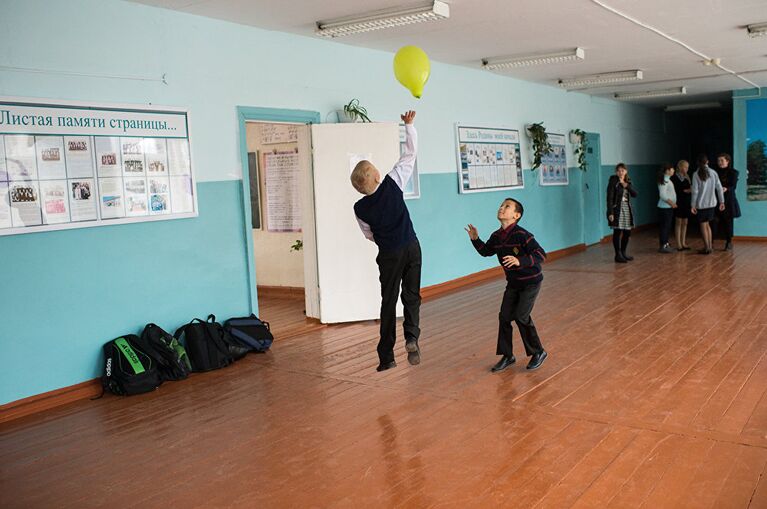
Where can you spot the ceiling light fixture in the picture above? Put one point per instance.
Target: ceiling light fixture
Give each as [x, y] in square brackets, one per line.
[652, 93]
[757, 29]
[693, 106]
[600, 79]
[387, 18]
[500, 63]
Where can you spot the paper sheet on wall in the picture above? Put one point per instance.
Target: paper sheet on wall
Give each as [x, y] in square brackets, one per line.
[278, 133]
[5, 206]
[159, 196]
[79, 156]
[3, 166]
[55, 203]
[82, 200]
[111, 192]
[183, 196]
[108, 160]
[25, 204]
[135, 197]
[50, 157]
[283, 197]
[20, 157]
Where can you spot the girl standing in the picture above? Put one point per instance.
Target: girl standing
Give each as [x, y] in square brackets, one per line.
[620, 216]
[683, 189]
[666, 206]
[729, 178]
[706, 190]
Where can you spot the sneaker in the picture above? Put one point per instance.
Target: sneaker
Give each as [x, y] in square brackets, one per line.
[413, 352]
[666, 249]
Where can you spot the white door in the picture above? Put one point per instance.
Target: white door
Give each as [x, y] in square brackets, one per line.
[349, 289]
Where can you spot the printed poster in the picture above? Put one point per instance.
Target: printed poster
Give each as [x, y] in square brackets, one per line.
[553, 169]
[112, 202]
[25, 204]
[136, 197]
[79, 156]
[108, 160]
[20, 157]
[178, 157]
[756, 150]
[159, 196]
[156, 156]
[50, 157]
[133, 157]
[5, 206]
[55, 202]
[183, 196]
[283, 197]
[82, 200]
[489, 159]
[3, 166]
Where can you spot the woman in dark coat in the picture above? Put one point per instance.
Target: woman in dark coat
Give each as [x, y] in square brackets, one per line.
[729, 178]
[620, 215]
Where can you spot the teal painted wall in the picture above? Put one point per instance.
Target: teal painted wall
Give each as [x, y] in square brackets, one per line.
[97, 283]
[65, 293]
[753, 222]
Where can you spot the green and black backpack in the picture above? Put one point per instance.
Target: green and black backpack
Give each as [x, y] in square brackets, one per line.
[128, 369]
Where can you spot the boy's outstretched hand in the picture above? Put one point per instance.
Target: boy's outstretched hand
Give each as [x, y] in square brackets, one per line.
[472, 231]
[408, 117]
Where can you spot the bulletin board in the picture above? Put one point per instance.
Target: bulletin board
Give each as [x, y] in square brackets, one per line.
[553, 169]
[72, 165]
[488, 159]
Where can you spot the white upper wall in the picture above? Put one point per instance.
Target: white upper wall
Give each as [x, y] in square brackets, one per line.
[212, 66]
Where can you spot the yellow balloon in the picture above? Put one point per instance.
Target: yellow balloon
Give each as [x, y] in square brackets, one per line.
[412, 69]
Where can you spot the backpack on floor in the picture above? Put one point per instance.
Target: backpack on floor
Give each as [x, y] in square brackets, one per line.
[172, 360]
[204, 344]
[250, 331]
[127, 368]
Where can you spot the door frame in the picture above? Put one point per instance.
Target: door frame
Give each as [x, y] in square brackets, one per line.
[254, 114]
[600, 194]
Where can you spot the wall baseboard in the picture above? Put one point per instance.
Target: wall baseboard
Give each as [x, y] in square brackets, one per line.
[91, 388]
[747, 238]
[280, 291]
[47, 400]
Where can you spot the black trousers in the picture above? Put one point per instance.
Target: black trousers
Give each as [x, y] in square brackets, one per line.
[516, 306]
[724, 226]
[395, 268]
[665, 223]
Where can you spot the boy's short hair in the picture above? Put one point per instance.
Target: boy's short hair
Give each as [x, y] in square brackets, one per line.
[517, 206]
[360, 175]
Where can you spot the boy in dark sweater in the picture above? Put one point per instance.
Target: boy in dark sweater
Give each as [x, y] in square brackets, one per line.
[385, 220]
[521, 257]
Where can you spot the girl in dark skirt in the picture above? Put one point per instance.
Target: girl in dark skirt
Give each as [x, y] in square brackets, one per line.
[729, 178]
[706, 193]
[683, 188]
[620, 215]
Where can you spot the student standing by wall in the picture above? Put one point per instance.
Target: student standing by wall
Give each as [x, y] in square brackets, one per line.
[666, 206]
[683, 190]
[620, 216]
[729, 179]
[706, 192]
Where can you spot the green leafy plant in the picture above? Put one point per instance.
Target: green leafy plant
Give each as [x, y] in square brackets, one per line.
[298, 246]
[354, 111]
[581, 144]
[541, 145]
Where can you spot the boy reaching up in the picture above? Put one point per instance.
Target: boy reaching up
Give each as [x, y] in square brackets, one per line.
[521, 257]
[385, 220]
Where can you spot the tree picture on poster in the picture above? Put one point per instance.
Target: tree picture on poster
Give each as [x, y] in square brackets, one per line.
[756, 149]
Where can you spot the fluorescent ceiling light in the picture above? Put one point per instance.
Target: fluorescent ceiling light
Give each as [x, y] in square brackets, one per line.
[693, 106]
[388, 18]
[652, 93]
[601, 79]
[757, 29]
[495, 64]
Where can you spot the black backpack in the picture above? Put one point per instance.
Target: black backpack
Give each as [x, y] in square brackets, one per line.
[172, 360]
[250, 331]
[127, 368]
[205, 344]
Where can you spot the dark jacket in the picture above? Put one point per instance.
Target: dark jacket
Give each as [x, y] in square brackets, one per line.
[614, 197]
[729, 179]
[683, 200]
[518, 242]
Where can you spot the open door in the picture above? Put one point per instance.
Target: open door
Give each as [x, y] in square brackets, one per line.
[347, 273]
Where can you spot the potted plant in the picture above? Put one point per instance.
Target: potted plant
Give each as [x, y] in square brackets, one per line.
[541, 145]
[578, 138]
[353, 112]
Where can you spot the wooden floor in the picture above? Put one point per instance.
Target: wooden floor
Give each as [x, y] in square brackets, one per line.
[654, 395]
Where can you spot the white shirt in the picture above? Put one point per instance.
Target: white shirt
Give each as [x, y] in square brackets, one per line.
[401, 172]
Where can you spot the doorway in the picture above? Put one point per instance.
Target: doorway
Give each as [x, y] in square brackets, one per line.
[593, 196]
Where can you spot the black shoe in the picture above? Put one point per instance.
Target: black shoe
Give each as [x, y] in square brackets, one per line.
[537, 360]
[619, 258]
[728, 246]
[504, 363]
[413, 352]
[386, 365]
[686, 248]
[627, 257]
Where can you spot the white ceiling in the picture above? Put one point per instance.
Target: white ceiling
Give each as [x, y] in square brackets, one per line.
[485, 28]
